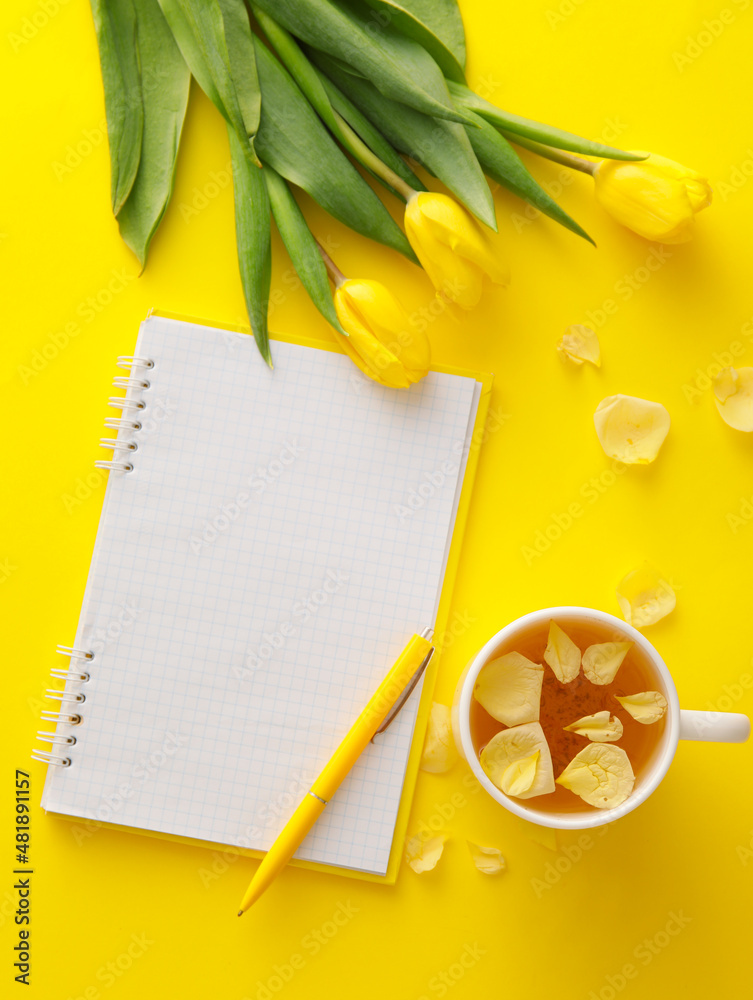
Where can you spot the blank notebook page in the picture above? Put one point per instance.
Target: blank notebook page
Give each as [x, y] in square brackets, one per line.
[281, 536]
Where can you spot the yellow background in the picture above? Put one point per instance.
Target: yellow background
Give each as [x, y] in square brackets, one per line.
[601, 70]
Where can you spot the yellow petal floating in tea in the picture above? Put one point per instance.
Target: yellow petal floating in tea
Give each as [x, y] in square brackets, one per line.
[645, 707]
[520, 775]
[602, 661]
[579, 344]
[599, 727]
[517, 744]
[733, 389]
[440, 752]
[630, 429]
[509, 688]
[601, 774]
[562, 655]
[645, 597]
[423, 854]
[488, 860]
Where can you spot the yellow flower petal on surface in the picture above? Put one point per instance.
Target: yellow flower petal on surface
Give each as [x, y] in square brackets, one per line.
[381, 341]
[451, 247]
[645, 707]
[440, 752]
[562, 655]
[509, 688]
[579, 344]
[517, 744]
[599, 727]
[645, 597]
[423, 854]
[733, 389]
[601, 774]
[656, 198]
[520, 775]
[602, 661]
[630, 429]
[488, 860]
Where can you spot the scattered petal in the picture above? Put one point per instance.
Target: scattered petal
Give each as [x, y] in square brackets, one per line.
[601, 774]
[422, 855]
[488, 860]
[645, 707]
[579, 344]
[519, 743]
[520, 775]
[733, 388]
[439, 748]
[562, 655]
[545, 836]
[509, 688]
[599, 727]
[602, 661]
[645, 597]
[630, 429]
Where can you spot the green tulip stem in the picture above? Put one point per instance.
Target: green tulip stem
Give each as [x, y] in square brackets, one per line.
[369, 159]
[335, 274]
[556, 155]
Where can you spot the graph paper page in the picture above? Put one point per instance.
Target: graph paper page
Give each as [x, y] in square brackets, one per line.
[281, 536]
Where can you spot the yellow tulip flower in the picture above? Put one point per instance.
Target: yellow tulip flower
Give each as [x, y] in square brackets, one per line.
[451, 248]
[656, 198]
[381, 341]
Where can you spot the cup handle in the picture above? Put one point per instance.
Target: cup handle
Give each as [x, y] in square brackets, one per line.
[714, 727]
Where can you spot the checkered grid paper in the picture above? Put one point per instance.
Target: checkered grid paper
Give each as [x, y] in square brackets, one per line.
[282, 535]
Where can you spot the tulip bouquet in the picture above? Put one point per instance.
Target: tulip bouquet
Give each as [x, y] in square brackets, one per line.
[307, 87]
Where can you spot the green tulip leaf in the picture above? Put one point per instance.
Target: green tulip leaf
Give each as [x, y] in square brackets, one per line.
[435, 24]
[115, 25]
[546, 134]
[293, 140]
[254, 240]
[326, 100]
[165, 83]
[442, 147]
[500, 162]
[399, 67]
[201, 30]
[302, 248]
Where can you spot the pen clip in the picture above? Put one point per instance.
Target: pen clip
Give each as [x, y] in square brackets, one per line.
[407, 692]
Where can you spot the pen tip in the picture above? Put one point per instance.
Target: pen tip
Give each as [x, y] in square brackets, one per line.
[240, 913]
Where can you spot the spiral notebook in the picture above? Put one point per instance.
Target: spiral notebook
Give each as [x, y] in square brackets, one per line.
[269, 541]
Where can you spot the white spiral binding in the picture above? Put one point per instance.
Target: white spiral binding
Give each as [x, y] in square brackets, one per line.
[128, 406]
[66, 699]
[71, 696]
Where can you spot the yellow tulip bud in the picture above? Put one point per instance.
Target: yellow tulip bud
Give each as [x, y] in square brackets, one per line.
[451, 248]
[381, 341]
[656, 198]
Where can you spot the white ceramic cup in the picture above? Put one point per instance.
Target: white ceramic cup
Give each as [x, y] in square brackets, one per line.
[718, 727]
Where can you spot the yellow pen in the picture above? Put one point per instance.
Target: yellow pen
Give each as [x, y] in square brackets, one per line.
[387, 700]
